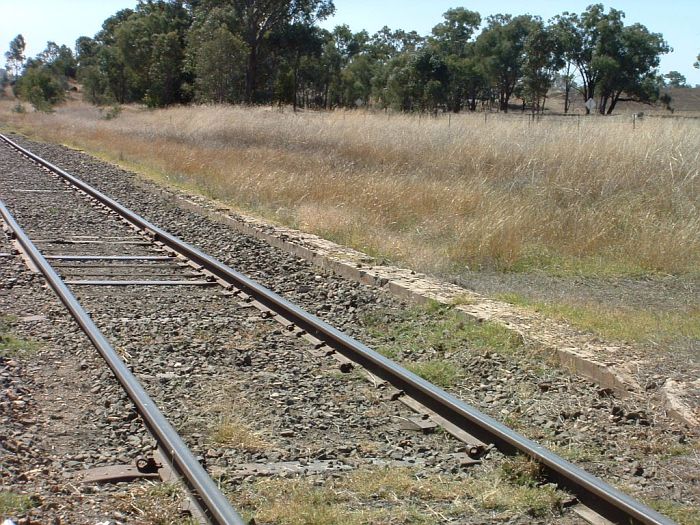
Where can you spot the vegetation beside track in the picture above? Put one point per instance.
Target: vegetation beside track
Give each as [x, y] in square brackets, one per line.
[570, 198]
[591, 197]
[10, 344]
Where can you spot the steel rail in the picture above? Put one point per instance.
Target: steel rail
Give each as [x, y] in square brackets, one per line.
[593, 492]
[214, 503]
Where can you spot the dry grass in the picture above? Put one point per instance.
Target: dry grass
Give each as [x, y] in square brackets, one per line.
[155, 504]
[235, 433]
[229, 414]
[395, 496]
[577, 197]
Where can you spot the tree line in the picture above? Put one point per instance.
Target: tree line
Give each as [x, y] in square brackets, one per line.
[166, 52]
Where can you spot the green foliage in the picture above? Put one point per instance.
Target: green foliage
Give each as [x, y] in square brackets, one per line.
[501, 49]
[15, 55]
[58, 59]
[112, 112]
[439, 330]
[165, 71]
[95, 85]
[438, 372]
[615, 62]
[12, 504]
[164, 52]
[543, 58]
[41, 88]
[10, 345]
[675, 79]
[219, 70]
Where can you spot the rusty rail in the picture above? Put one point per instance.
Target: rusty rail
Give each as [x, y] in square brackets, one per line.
[593, 492]
[213, 503]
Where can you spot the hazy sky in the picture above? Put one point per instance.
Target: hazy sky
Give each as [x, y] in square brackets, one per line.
[63, 21]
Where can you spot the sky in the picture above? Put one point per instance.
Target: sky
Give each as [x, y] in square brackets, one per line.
[64, 21]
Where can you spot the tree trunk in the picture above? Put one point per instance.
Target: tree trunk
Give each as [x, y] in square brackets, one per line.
[296, 81]
[251, 74]
[567, 88]
[613, 102]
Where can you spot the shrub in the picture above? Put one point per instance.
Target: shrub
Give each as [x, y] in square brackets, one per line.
[40, 88]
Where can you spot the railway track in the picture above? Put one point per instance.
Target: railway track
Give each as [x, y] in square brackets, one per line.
[111, 252]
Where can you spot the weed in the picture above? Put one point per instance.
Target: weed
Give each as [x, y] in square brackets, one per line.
[439, 372]
[10, 345]
[438, 328]
[157, 504]
[463, 299]
[681, 513]
[235, 433]
[494, 493]
[522, 470]
[12, 504]
[622, 324]
[578, 452]
[295, 502]
[112, 113]
[405, 498]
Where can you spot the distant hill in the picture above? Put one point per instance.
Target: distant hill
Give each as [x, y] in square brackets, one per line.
[684, 101]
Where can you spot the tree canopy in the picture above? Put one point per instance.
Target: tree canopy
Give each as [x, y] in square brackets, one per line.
[166, 52]
[15, 56]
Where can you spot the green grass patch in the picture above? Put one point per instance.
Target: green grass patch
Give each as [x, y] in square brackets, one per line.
[12, 504]
[11, 345]
[577, 453]
[542, 259]
[436, 327]
[623, 324]
[439, 372]
[680, 513]
[522, 471]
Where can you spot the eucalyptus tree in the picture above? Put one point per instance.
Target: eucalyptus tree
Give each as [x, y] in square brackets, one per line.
[15, 55]
[615, 62]
[627, 67]
[216, 54]
[345, 63]
[150, 44]
[453, 38]
[259, 18]
[676, 79]
[567, 40]
[543, 58]
[501, 50]
[219, 67]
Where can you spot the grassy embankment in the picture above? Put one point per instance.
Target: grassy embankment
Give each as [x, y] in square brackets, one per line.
[589, 197]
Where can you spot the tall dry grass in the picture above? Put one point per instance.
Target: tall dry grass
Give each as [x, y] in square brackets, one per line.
[589, 195]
